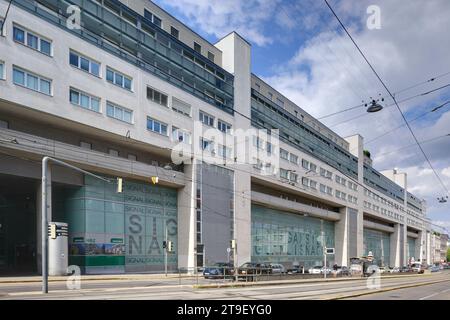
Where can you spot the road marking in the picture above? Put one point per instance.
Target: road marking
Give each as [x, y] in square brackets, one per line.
[434, 294]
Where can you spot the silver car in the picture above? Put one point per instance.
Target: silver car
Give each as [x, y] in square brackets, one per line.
[277, 268]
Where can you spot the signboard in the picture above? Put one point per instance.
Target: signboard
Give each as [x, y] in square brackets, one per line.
[329, 250]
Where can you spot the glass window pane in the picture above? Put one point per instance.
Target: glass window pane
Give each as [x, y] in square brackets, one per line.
[164, 129]
[19, 35]
[45, 86]
[127, 84]
[149, 124]
[156, 126]
[95, 68]
[157, 21]
[164, 100]
[84, 64]
[109, 110]
[95, 104]
[109, 75]
[32, 82]
[19, 77]
[74, 59]
[119, 80]
[119, 113]
[1, 71]
[157, 96]
[45, 47]
[74, 97]
[84, 101]
[127, 116]
[32, 41]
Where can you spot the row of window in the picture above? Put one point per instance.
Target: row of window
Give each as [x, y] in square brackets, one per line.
[174, 32]
[383, 211]
[209, 120]
[382, 200]
[32, 40]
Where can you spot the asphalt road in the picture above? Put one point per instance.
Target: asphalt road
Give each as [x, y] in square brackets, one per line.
[424, 286]
[438, 291]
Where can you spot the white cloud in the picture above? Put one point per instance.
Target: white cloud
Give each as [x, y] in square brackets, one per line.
[327, 74]
[218, 18]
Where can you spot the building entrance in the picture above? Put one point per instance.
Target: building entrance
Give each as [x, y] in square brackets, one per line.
[17, 225]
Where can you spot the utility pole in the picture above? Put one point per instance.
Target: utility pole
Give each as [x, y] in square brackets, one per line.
[46, 183]
[324, 250]
[165, 249]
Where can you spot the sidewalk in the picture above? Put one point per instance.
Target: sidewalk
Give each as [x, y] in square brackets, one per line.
[99, 277]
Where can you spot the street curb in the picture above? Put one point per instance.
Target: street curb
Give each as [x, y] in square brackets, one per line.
[365, 293]
[65, 278]
[286, 282]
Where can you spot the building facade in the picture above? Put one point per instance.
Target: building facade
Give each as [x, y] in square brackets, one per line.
[114, 87]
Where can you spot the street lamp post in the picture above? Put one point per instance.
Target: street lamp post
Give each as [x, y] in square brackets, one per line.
[45, 202]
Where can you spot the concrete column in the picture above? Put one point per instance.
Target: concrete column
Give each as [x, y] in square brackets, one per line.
[418, 250]
[341, 235]
[428, 247]
[236, 59]
[186, 219]
[395, 247]
[39, 216]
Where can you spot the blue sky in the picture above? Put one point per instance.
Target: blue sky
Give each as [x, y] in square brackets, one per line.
[298, 48]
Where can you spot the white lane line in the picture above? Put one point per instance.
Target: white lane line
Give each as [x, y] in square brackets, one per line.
[434, 294]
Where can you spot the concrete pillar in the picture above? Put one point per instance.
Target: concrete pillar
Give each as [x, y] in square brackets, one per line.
[39, 216]
[186, 219]
[419, 248]
[428, 247]
[236, 59]
[395, 247]
[348, 236]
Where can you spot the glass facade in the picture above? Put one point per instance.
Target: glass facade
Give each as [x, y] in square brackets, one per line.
[411, 250]
[266, 114]
[121, 31]
[120, 232]
[379, 243]
[288, 238]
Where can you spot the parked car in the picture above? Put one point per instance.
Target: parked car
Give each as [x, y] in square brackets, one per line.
[296, 269]
[315, 270]
[405, 269]
[250, 270]
[219, 270]
[394, 270]
[324, 270]
[277, 268]
[341, 271]
[434, 268]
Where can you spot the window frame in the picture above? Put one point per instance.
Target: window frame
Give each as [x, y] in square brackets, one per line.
[221, 123]
[32, 74]
[161, 95]
[90, 60]
[90, 96]
[124, 76]
[160, 124]
[39, 38]
[202, 116]
[116, 106]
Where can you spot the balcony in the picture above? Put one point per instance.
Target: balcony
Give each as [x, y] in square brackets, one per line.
[115, 29]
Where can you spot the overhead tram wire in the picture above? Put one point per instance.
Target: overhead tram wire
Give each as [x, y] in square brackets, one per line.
[412, 120]
[365, 75]
[392, 96]
[412, 145]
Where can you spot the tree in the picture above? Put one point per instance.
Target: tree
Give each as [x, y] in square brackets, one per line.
[448, 254]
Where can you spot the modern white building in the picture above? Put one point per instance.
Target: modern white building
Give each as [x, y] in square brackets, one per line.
[119, 92]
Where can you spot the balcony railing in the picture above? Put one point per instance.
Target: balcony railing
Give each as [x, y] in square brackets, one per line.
[115, 29]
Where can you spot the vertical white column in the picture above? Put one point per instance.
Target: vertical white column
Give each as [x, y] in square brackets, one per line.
[341, 238]
[236, 56]
[186, 219]
[39, 216]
